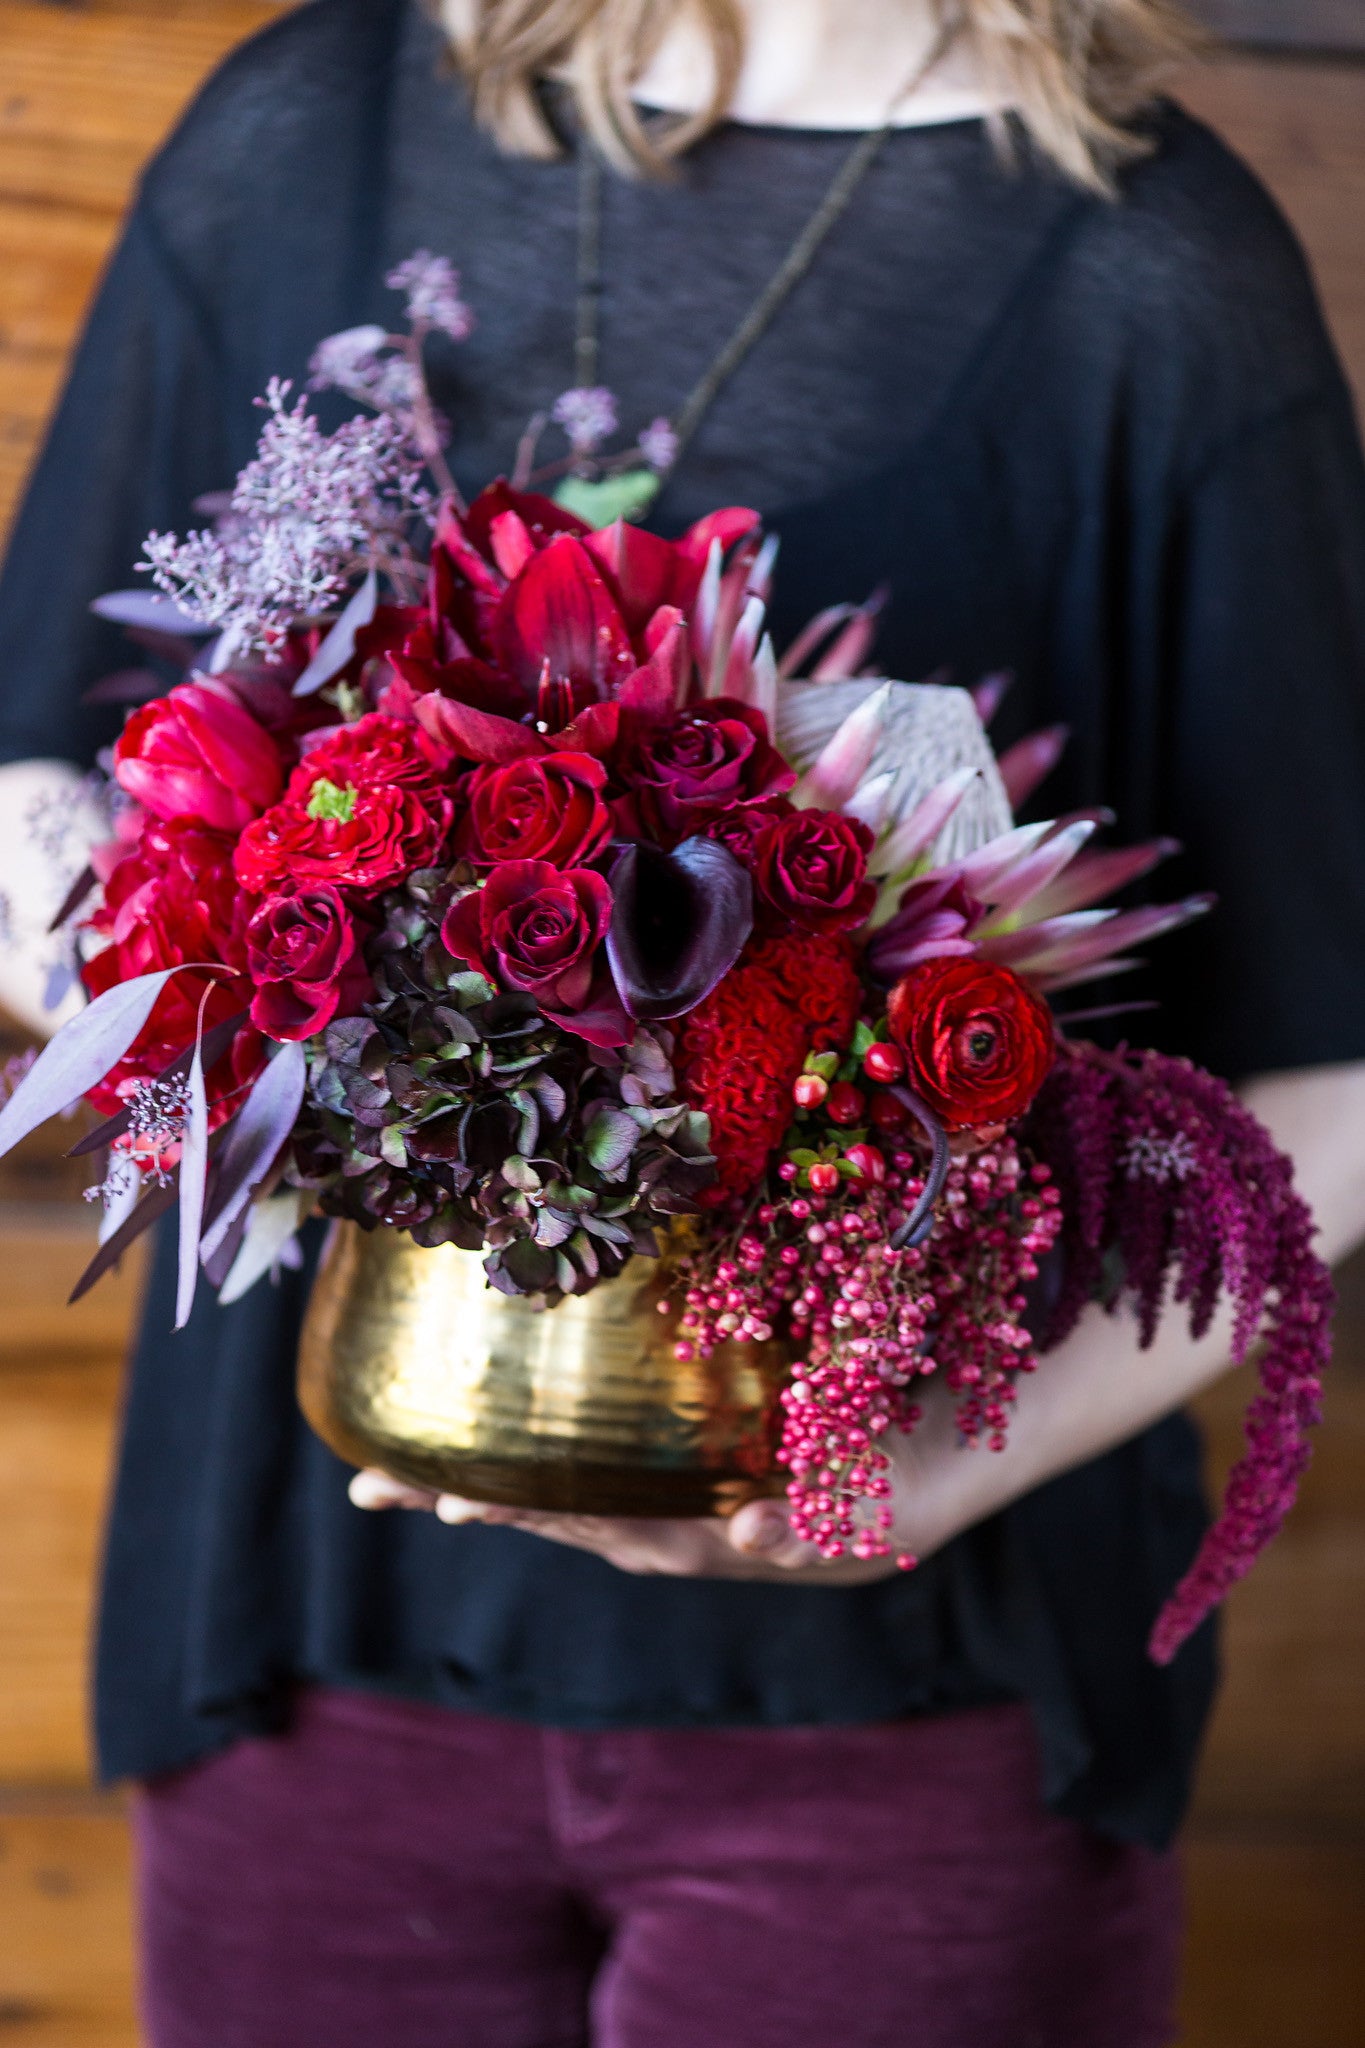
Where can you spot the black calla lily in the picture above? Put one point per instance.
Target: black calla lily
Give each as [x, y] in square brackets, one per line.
[681, 921]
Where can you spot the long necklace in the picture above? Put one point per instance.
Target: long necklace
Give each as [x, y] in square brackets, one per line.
[603, 488]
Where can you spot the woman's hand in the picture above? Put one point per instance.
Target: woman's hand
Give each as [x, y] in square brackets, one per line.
[754, 1543]
[1094, 1391]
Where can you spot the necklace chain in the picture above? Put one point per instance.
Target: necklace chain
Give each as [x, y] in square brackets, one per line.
[794, 267]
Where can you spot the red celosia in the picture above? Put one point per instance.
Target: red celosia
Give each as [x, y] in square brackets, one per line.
[740, 1051]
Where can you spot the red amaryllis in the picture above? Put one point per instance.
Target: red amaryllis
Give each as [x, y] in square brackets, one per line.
[304, 953]
[693, 768]
[548, 807]
[364, 807]
[539, 928]
[171, 899]
[978, 1043]
[811, 869]
[196, 753]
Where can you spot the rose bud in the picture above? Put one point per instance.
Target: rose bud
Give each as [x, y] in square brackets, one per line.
[305, 955]
[812, 870]
[810, 1090]
[824, 1177]
[846, 1103]
[978, 1042]
[884, 1063]
[871, 1164]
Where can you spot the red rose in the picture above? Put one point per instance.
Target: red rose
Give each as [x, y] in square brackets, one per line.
[197, 753]
[705, 762]
[548, 807]
[304, 954]
[536, 928]
[364, 807]
[171, 899]
[812, 869]
[978, 1042]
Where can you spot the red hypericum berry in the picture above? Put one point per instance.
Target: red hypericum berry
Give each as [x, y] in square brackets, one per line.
[824, 1177]
[810, 1091]
[886, 1113]
[846, 1103]
[869, 1161]
[884, 1063]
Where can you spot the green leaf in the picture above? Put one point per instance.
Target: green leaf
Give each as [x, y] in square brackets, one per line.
[625, 496]
[610, 1139]
[863, 1039]
[392, 1150]
[825, 1064]
[803, 1157]
[471, 987]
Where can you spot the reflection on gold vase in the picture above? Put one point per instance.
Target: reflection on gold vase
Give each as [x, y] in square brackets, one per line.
[411, 1362]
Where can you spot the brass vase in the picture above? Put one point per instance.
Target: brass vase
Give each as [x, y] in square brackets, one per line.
[409, 1361]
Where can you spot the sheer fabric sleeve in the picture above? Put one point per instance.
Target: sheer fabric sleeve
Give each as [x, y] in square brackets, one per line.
[137, 436]
[1259, 748]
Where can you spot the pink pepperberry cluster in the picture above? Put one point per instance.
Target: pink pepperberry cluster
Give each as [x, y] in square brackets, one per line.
[872, 1322]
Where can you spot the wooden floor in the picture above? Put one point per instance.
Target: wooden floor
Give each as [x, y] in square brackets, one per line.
[1277, 1845]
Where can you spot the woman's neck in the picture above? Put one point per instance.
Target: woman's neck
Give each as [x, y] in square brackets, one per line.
[822, 64]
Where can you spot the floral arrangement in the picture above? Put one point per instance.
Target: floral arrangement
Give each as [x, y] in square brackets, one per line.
[488, 876]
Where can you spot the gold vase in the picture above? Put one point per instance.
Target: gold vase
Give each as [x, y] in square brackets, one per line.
[409, 1361]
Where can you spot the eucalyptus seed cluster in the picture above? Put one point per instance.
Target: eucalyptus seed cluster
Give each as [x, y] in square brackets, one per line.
[465, 1117]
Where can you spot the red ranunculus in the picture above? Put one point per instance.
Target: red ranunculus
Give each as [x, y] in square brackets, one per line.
[365, 806]
[539, 928]
[812, 869]
[978, 1042]
[304, 953]
[197, 753]
[682, 774]
[172, 899]
[548, 807]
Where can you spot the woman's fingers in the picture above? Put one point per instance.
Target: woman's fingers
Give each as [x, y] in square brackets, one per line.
[762, 1530]
[372, 1489]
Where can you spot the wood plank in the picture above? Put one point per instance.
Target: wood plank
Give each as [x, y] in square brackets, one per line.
[66, 1972]
[56, 1437]
[1286, 24]
[1274, 1955]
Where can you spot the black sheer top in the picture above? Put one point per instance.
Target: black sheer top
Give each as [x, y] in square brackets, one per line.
[1104, 445]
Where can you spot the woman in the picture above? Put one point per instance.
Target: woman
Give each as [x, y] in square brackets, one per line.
[1058, 379]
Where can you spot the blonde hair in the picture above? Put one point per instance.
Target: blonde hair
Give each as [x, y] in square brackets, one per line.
[1073, 71]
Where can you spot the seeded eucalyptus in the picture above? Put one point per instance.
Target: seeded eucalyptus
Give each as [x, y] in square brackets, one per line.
[465, 1117]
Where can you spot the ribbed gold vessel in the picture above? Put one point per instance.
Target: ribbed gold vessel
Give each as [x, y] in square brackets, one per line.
[409, 1361]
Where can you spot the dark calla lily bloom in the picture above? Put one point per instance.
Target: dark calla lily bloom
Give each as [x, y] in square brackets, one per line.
[680, 922]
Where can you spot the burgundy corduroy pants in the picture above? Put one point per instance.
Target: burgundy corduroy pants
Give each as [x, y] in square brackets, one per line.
[399, 1876]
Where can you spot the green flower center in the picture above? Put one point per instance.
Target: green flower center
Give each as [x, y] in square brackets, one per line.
[330, 800]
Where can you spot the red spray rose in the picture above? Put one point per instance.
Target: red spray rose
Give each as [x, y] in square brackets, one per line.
[172, 898]
[196, 753]
[548, 807]
[978, 1042]
[304, 954]
[693, 768]
[364, 807]
[538, 928]
[812, 870]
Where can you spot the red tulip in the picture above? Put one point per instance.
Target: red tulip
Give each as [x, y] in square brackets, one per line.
[196, 753]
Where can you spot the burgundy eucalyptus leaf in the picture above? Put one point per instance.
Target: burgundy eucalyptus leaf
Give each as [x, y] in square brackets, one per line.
[194, 1167]
[216, 1043]
[260, 1128]
[680, 922]
[81, 1054]
[149, 1210]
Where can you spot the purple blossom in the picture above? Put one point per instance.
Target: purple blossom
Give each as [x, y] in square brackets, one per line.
[432, 286]
[587, 415]
[659, 444]
[348, 361]
[307, 514]
[1162, 1169]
